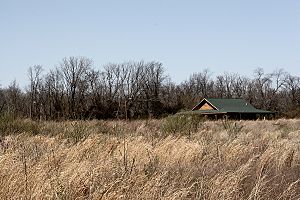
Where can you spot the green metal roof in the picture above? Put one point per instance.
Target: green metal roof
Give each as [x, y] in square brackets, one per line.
[230, 106]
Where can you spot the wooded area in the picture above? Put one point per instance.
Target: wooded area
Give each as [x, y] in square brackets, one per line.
[130, 90]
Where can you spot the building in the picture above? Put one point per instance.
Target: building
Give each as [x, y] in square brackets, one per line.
[230, 109]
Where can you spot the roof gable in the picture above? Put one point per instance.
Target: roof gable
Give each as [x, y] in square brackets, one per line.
[205, 105]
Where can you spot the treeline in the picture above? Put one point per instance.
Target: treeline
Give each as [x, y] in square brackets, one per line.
[76, 90]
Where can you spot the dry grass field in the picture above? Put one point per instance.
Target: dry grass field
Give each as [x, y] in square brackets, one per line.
[150, 159]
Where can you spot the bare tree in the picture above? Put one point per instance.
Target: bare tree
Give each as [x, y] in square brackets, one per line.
[259, 88]
[231, 85]
[34, 74]
[200, 85]
[15, 100]
[152, 81]
[2, 100]
[240, 86]
[277, 79]
[292, 84]
[55, 95]
[74, 71]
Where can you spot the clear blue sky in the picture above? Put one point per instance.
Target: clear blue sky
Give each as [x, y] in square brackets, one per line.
[186, 36]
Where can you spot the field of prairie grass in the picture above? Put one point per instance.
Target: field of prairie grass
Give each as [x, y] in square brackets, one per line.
[150, 159]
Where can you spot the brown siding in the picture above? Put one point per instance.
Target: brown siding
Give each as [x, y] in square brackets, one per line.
[206, 106]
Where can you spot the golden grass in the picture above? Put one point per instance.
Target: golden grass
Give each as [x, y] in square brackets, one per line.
[136, 160]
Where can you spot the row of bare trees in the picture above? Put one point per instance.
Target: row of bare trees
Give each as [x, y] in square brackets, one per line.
[76, 90]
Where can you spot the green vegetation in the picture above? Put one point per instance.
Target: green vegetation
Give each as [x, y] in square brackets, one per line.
[183, 123]
[10, 125]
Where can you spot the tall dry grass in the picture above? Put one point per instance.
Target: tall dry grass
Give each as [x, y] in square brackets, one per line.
[141, 160]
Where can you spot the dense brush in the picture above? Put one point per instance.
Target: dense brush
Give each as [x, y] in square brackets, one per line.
[139, 160]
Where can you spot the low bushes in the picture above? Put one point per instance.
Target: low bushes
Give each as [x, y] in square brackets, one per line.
[9, 125]
[182, 123]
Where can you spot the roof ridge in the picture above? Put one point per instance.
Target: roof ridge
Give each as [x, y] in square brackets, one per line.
[225, 98]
